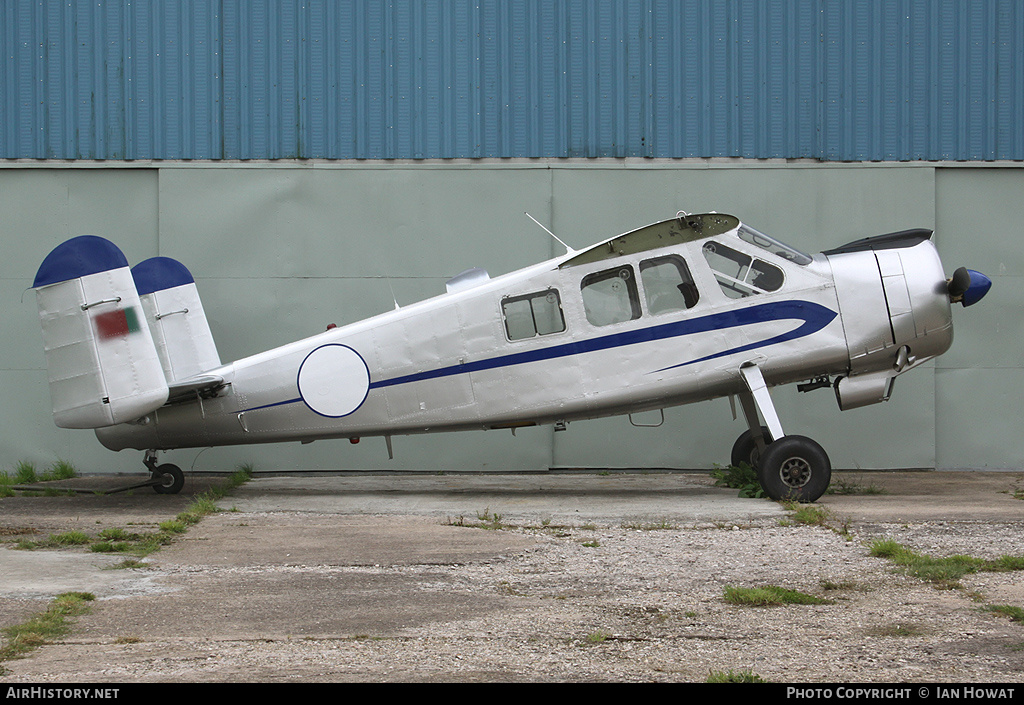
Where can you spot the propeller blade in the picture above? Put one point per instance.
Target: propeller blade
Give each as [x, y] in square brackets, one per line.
[959, 284]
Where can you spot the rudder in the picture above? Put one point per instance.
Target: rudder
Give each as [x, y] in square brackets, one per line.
[102, 363]
[176, 318]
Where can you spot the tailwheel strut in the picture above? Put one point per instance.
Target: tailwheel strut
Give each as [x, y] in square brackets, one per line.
[167, 478]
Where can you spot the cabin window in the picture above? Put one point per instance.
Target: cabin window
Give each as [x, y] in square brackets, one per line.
[531, 315]
[739, 274]
[668, 285]
[610, 296]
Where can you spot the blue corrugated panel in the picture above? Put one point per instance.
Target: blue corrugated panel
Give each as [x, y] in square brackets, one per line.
[343, 79]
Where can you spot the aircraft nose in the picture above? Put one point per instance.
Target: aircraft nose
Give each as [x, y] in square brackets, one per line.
[968, 287]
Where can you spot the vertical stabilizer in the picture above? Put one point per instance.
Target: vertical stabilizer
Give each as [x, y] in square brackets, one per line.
[103, 366]
[176, 318]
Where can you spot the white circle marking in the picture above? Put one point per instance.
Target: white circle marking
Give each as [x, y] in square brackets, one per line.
[334, 380]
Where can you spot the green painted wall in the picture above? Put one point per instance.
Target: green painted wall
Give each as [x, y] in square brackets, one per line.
[279, 250]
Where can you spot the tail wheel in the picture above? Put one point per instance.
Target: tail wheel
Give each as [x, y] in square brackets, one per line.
[745, 449]
[794, 468]
[170, 479]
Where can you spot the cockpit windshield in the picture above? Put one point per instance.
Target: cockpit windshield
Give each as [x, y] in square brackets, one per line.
[748, 234]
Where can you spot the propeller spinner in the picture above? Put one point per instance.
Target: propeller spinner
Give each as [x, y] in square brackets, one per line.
[968, 286]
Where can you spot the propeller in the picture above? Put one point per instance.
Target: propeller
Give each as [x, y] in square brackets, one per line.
[968, 286]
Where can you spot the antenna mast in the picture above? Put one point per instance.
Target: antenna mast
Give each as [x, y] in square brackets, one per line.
[568, 249]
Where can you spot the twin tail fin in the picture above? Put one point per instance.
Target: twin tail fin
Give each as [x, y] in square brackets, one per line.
[117, 340]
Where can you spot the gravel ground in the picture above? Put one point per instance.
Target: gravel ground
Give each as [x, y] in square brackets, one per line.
[640, 605]
[589, 603]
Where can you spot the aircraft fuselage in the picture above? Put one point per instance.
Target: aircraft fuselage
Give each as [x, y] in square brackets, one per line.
[663, 316]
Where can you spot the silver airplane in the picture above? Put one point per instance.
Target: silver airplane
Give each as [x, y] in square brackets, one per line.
[683, 310]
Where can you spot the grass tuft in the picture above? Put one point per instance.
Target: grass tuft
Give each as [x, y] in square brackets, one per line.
[60, 470]
[46, 626]
[742, 676]
[741, 477]
[1016, 614]
[25, 473]
[770, 596]
[942, 571]
[850, 486]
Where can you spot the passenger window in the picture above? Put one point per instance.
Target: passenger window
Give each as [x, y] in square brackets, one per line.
[739, 274]
[668, 285]
[533, 314]
[610, 296]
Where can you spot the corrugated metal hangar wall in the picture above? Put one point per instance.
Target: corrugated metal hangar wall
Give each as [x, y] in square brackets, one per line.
[311, 162]
[361, 79]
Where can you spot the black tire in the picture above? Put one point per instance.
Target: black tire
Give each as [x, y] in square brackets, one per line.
[794, 468]
[171, 479]
[744, 450]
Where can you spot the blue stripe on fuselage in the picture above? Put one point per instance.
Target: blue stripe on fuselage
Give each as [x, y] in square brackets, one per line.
[814, 317]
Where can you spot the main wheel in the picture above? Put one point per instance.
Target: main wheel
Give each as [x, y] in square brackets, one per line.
[795, 468]
[745, 449]
[171, 479]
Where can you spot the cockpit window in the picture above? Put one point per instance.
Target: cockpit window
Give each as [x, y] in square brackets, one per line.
[533, 314]
[739, 274]
[748, 234]
[610, 296]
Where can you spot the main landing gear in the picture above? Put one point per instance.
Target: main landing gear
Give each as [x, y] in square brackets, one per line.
[166, 478]
[788, 467]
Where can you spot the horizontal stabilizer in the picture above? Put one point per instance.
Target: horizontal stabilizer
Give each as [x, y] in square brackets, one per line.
[189, 389]
[176, 318]
[102, 363]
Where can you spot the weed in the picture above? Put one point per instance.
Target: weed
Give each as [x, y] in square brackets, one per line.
[1014, 613]
[490, 521]
[662, 524]
[828, 585]
[25, 472]
[1018, 491]
[813, 515]
[60, 470]
[742, 676]
[598, 637]
[68, 538]
[128, 563]
[117, 540]
[770, 596]
[809, 514]
[741, 477]
[592, 544]
[43, 627]
[111, 547]
[886, 548]
[116, 534]
[1009, 563]
[943, 571]
[174, 526]
[506, 588]
[242, 475]
[850, 486]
